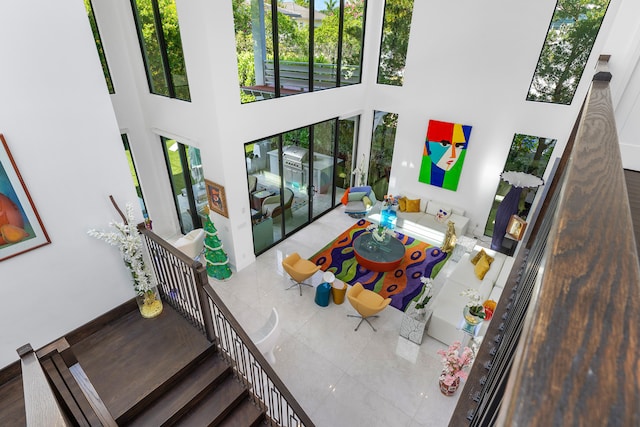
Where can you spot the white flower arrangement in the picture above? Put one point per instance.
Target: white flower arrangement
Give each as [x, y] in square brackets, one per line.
[428, 285]
[378, 232]
[127, 238]
[474, 303]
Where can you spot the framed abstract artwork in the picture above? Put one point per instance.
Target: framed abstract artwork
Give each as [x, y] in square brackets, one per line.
[21, 229]
[516, 227]
[216, 197]
[444, 151]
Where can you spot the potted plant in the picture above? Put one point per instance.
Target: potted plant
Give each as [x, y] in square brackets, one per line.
[421, 305]
[127, 238]
[454, 364]
[473, 311]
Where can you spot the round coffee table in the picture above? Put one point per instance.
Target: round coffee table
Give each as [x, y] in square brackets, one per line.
[377, 256]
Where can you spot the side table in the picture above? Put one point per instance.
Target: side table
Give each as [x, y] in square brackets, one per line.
[413, 325]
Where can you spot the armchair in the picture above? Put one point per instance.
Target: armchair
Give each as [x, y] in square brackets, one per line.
[267, 336]
[358, 201]
[299, 269]
[367, 303]
[271, 205]
[253, 183]
[192, 243]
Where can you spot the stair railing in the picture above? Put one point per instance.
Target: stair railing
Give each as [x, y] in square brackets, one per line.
[184, 284]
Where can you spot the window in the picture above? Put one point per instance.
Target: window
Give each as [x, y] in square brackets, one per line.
[314, 49]
[573, 30]
[187, 181]
[396, 27]
[134, 175]
[528, 154]
[382, 144]
[98, 40]
[159, 36]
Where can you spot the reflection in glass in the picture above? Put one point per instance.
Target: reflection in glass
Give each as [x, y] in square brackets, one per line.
[528, 154]
[574, 27]
[187, 181]
[396, 28]
[382, 144]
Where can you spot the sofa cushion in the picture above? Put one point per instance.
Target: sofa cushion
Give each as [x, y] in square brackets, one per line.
[479, 255]
[402, 204]
[413, 205]
[367, 202]
[433, 207]
[443, 215]
[365, 188]
[356, 195]
[481, 268]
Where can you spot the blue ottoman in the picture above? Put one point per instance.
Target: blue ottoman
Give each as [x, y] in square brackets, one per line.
[322, 294]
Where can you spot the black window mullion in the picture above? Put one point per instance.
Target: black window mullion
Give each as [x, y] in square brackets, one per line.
[276, 51]
[340, 31]
[162, 43]
[186, 173]
[312, 74]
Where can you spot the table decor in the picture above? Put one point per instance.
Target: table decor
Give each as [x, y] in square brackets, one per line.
[454, 364]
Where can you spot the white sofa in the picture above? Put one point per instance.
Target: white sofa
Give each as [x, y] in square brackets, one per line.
[423, 225]
[446, 319]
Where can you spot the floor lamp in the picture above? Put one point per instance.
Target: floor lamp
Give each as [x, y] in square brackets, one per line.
[509, 205]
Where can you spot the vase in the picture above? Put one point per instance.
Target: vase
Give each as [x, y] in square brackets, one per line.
[449, 390]
[470, 318]
[149, 303]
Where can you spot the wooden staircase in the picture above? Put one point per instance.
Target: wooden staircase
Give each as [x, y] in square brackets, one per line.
[157, 372]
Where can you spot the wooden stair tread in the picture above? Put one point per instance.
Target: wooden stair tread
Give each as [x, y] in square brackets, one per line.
[213, 408]
[246, 414]
[12, 412]
[142, 353]
[191, 388]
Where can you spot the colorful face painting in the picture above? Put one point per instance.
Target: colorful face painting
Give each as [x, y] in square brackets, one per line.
[443, 156]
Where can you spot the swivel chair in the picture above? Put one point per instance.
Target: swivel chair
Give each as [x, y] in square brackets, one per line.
[367, 303]
[299, 269]
[267, 336]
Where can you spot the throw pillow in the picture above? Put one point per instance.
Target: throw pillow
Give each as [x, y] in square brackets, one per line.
[479, 255]
[413, 205]
[481, 268]
[345, 197]
[367, 202]
[443, 215]
[356, 195]
[402, 204]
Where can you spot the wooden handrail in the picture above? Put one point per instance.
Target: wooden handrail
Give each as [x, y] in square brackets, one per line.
[562, 346]
[577, 361]
[41, 406]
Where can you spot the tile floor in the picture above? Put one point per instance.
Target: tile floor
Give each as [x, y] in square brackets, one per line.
[341, 377]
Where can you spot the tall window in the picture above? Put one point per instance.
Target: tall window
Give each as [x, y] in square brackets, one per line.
[396, 27]
[98, 40]
[286, 48]
[159, 36]
[528, 154]
[382, 144]
[134, 175]
[573, 30]
[187, 181]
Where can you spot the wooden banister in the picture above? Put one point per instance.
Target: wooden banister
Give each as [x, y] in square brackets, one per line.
[562, 348]
[40, 404]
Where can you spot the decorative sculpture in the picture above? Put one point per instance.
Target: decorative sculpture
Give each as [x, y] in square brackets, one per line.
[449, 238]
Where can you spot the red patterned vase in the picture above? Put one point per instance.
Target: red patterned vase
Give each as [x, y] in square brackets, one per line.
[449, 390]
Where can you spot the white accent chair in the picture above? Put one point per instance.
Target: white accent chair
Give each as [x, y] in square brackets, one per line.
[267, 336]
[192, 244]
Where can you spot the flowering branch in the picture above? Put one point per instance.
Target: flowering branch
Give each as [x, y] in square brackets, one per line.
[127, 238]
[454, 363]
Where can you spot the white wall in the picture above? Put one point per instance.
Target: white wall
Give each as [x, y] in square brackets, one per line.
[59, 124]
[468, 62]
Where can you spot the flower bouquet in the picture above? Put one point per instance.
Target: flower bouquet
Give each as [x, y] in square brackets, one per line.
[474, 307]
[127, 238]
[380, 233]
[453, 366]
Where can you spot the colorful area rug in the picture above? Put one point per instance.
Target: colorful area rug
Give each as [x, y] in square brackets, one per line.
[402, 285]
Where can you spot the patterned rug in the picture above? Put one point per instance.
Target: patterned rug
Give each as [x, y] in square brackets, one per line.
[402, 285]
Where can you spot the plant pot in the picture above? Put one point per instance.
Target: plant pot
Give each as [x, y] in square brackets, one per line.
[150, 304]
[449, 390]
[471, 319]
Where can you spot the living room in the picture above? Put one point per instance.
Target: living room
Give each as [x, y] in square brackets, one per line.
[483, 85]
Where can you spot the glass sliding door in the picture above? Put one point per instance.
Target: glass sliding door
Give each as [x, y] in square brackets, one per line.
[382, 144]
[292, 178]
[187, 182]
[323, 166]
[347, 137]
